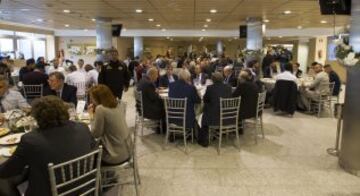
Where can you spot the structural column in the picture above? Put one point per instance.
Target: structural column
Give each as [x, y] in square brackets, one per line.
[350, 143]
[103, 35]
[254, 39]
[138, 46]
[220, 48]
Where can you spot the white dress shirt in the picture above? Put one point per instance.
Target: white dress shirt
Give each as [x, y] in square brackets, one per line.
[58, 69]
[286, 75]
[92, 77]
[78, 79]
[13, 100]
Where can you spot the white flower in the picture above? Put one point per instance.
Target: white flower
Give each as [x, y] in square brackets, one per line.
[350, 60]
[347, 47]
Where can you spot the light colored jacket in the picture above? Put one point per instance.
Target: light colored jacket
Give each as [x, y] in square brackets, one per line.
[321, 83]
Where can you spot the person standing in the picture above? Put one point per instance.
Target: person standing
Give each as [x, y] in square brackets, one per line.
[333, 77]
[30, 65]
[115, 75]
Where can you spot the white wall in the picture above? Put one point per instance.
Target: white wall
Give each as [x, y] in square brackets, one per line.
[303, 54]
[50, 47]
[321, 49]
[63, 43]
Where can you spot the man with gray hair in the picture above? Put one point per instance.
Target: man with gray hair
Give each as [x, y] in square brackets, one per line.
[211, 112]
[153, 107]
[10, 99]
[183, 88]
[229, 77]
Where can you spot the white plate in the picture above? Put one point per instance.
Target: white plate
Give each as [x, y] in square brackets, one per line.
[15, 139]
[6, 151]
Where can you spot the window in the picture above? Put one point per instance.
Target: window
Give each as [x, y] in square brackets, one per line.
[7, 47]
[39, 48]
[24, 48]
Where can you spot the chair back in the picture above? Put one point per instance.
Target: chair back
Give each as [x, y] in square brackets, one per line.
[32, 91]
[80, 176]
[138, 102]
[331, 87]
[260, 104]
[175, 110]
[81, 88]
[229, 111]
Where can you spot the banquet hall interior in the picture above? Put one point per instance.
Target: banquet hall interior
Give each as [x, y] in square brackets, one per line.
[180, 97]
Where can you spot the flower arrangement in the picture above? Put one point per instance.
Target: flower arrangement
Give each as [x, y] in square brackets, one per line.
[250, 53]
[102, 51]
[346, 55]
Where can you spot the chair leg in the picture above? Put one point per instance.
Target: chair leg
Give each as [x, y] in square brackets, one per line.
[256, 131]
[136, 183]
[262, 127]
[161, 128]
[209, 134]
[142, 127]
[319, 109]
[192, 135]
[237, 140]
[166, 138]
[220, 140]
[184, 132]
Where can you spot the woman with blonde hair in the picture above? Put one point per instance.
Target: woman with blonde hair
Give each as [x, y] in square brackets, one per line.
[109, 125]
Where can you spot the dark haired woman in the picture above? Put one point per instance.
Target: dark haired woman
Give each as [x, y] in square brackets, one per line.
[109, 125]
[56, 140]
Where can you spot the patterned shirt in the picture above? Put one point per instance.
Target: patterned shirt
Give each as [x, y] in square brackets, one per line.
[13, 100]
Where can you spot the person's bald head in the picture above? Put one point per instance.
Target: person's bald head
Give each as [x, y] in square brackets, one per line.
[152, 74]
[227, 70]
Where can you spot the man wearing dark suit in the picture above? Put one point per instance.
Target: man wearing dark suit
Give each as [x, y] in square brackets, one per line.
[183, 89]
[55, 141]
[168, 78]
[296, 70]
[60, 89]
[248, 91]
[229, 77]
[30, 65]
[199, 78]
[211, 112]
[153, 107]
[267, 61]
[333, 77]
[35, 77]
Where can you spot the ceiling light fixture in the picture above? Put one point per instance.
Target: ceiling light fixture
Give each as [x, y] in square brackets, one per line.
[213, 11]
[24, 10]
[40, 20]
[299, 27]
[66, 11]
[151, 20]
[139, 11]
[323, 22]
[280, 37]
[158, 25]
[66, 25]
[208, 20]
[203, 30]
[287, 12]
[266, 20]
[86, 29]
[206, 26]
[163, 29]
[93, 19]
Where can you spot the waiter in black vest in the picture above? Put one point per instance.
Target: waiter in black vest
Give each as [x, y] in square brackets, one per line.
[115, 75]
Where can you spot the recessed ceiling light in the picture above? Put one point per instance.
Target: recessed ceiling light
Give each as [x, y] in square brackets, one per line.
[86, 29]
[40, 20]
[93, 19]
[139, 11]
[266, 20]
[24, 10]
[66, 11]
[299, 27]
[280, 36]
[287, 12]
[206, 26]
[203, 29]
[66, 25]
[151, 20]
[323, 22]
[208, 20]
[163, 29]
[213, 11]
[158, 25]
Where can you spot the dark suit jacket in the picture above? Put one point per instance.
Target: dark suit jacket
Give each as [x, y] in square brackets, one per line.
[298, 73]
[333, 77]
[211, 112]
[180, 89]
[231, 80]
[23, 71]
[164, 80]
[249, 94]
[68, 93]
[38, 148]
[35, 78]
[285, 96]
[204, 77]
[153, 106]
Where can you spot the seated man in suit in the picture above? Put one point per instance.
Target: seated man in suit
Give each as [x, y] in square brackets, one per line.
[35, 77]
[248, 90]
[153, 106]
[320, 85]
[211, 112]
[229, 77]
[333, 77]
[296, 70]
[183, 89]
[59, 88]
[168, 78]
[56, 140]
[199, 78]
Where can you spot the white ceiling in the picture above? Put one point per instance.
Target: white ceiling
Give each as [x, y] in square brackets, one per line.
[171, 14]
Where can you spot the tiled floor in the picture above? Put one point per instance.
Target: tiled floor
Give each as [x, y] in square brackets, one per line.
[290, 161]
